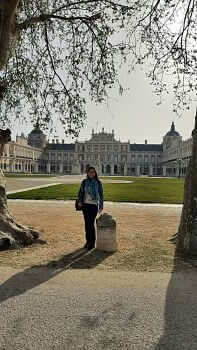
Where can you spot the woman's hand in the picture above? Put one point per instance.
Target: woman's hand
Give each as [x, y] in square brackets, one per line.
[79, 204]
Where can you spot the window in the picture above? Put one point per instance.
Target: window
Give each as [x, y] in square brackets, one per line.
[102, 157]
[80, 147]
[146, 159]
[89, 157]
[109, 147]
[123, 158]
[123, 148]
[59, 157]
[80, 156]
[95, 147]
[102, 147]
[65, 157]
[52, 156]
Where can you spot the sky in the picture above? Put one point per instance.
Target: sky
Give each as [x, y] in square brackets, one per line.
[134, 116]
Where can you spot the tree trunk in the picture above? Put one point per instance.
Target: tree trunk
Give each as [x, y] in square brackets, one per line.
[9, 33]
[186, 239]
[12, 234]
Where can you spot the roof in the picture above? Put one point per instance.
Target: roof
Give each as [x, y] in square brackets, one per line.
[145, 147]
[172, 131]
[61, 146]
[36, 129]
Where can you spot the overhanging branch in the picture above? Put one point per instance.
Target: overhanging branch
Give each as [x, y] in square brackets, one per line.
[43, 18]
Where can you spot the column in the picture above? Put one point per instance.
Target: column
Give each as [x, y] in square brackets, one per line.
[48, 168]
[125, 169]
[112, 169]
[23, 167]
[99, 169]
[11, 167]
[36, 167]
[138, 170]
[151, 170]
[61, 168]
[164, 170]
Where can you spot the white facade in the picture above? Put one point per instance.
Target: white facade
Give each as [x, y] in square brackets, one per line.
[108, 155]
[102, 150]
[19, 156]
[176, 153]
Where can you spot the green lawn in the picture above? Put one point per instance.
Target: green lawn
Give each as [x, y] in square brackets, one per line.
[141, 190]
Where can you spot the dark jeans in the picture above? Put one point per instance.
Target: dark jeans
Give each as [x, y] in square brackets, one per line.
[89, 213]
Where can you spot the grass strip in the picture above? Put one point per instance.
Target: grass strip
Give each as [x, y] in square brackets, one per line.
[141, 190]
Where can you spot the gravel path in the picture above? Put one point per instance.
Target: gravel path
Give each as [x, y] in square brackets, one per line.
[44, 309]
[24, 183]
[142, 232]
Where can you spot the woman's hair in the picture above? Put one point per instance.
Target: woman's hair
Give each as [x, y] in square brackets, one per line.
[96, 175]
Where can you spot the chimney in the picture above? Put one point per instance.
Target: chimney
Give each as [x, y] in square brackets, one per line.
[62, 141]
[57, 141]
[145, 141]
[102, 129]
[53, 141]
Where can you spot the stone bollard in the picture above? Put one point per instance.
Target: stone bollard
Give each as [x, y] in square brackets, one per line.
[106, 233]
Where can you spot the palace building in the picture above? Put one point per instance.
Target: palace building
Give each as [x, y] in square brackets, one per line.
[33, 154]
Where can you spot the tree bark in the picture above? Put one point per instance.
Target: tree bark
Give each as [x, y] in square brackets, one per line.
[186, 240]
[12, 234]
[9, 33]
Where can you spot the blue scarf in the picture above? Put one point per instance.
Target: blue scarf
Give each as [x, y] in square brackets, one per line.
[91, 187]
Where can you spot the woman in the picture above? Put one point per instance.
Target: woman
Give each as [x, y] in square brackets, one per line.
[90, 198]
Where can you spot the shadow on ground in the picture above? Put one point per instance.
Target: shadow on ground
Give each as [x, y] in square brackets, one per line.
[38, 274]
[180, 308]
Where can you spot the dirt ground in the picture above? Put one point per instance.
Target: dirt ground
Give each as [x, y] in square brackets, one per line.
[142, 230]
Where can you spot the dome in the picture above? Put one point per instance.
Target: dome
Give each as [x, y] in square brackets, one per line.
[36, 129]
[172, 131]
